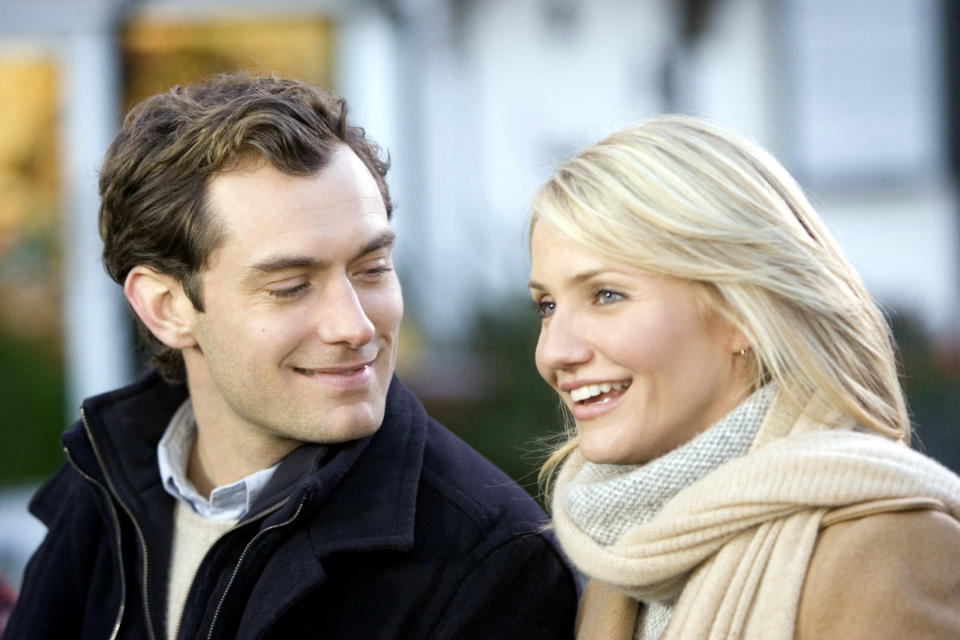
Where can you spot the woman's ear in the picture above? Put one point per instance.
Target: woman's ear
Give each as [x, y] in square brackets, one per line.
[729, 336]
[162, 305]
[740, 344]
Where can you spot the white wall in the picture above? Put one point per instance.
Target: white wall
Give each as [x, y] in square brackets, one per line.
[904, 244]
[853, 107]
[863, 103]
[508, 89]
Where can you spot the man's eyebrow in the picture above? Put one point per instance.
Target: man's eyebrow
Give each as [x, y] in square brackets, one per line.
[282, 263]
[274, 264]
[385, 239]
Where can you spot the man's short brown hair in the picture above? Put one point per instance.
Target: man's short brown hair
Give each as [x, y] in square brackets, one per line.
[153, 208]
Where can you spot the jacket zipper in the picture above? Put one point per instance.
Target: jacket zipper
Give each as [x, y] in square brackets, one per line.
[136, 525]
[116, 522]
[239, 524]
[243, 554]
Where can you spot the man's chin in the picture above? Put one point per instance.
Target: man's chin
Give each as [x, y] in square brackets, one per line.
[353, 423]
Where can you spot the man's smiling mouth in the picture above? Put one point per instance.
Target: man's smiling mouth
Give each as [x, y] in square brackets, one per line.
[338, 371]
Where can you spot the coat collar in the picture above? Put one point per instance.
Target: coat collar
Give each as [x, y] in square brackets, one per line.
[364, 491]
[365, 494]
[116, 438]
[361, 495]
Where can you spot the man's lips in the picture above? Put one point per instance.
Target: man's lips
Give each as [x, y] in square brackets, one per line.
[339, 370]
[348, 378]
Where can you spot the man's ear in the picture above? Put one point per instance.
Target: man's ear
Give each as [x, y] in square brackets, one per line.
[162, 305]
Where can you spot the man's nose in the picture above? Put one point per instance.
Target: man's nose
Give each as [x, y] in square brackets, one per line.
[343, 320]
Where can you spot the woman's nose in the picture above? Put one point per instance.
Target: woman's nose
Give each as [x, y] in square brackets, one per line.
[562, 343]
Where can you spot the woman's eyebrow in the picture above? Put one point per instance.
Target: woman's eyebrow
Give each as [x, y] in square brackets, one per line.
[575, 279]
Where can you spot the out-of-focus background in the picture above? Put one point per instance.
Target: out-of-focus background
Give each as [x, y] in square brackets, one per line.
[476, 101]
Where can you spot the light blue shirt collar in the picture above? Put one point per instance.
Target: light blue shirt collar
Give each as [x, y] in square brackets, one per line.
[229, 502]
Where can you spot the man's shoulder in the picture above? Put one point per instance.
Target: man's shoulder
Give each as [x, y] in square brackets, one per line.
[459, 478]
[65, 496]
[507, 575]
[453, 476]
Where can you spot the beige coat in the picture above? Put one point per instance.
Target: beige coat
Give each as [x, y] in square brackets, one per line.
[890, 570]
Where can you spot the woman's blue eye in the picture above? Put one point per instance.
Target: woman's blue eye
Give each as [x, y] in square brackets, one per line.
[605, 296]
[543, 308]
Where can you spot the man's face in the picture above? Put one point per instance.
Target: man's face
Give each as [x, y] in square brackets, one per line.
[298, 338]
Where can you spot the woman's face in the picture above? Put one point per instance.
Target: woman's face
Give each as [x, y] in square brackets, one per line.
[640, 366]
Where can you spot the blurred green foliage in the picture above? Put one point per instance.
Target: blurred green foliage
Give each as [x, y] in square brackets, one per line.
[516, 420]
[32, 414]
[931, 379]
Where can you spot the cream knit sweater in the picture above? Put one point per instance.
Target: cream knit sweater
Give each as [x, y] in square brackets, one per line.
[193, 536]
[733, 547]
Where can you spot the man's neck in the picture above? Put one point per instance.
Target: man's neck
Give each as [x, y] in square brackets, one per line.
[226, 449]
[196, 473]
[220, 458]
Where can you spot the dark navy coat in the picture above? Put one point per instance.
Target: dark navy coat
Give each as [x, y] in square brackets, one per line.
[408, 533]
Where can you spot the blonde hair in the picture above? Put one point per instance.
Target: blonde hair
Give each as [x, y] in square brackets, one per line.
[684, 197]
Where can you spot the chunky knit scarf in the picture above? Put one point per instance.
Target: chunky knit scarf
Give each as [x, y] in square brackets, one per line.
[606, 499]
[732, 548]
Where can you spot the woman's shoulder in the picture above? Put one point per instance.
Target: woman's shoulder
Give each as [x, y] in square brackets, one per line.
[892, 569]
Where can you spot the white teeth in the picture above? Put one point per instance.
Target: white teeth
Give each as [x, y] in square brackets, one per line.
[313, 372]
[591, 390]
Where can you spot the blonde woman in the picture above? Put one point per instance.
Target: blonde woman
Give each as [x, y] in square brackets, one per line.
[737, 465]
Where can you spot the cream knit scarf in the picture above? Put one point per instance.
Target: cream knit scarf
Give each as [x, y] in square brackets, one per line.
[733, 547]
[606, 499]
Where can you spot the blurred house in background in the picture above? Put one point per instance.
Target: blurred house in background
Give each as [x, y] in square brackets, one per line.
[476, 101]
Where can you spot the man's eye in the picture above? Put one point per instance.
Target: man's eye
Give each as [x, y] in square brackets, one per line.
[373, 268]
[289, 292]
[376, 272]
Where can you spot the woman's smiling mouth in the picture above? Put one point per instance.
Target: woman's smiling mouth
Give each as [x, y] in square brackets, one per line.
[593, 400]
[592, 393]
